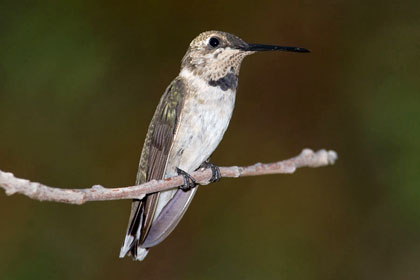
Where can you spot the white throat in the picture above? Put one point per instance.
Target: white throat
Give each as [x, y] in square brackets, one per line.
[197, 82]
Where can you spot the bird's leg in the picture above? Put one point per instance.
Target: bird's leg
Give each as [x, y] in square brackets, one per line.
[215, 171]
[189, 181]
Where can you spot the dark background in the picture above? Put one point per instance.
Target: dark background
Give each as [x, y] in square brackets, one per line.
[80, 80]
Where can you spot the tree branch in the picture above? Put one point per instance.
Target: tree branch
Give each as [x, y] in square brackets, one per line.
[38, 191]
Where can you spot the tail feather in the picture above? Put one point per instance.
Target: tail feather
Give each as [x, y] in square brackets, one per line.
[128, 241]
[131, 242]
[138, 253]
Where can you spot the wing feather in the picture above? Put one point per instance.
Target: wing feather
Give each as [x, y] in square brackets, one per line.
[153, 159]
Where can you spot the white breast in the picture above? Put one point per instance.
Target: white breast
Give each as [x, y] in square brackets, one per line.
[204, 119]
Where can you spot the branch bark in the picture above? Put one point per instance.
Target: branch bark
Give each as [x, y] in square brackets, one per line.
[38, 191]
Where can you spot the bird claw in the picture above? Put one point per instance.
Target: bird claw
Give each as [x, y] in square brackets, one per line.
[189, 182]
[215, 171]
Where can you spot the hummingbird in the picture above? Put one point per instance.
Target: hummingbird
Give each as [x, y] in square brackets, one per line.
[187, 126]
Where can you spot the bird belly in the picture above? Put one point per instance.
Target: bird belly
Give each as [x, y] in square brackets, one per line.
[203, 122]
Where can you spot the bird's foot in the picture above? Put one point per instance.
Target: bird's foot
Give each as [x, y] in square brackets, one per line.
[215, 171]
[189, 181]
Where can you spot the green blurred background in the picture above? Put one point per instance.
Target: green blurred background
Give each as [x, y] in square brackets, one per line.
[79, 82]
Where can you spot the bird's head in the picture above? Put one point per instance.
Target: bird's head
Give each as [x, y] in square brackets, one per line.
[214, 54]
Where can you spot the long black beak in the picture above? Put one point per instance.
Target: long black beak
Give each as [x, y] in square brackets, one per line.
[262, 48]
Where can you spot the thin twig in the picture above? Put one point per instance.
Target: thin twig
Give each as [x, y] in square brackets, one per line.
[38, 191]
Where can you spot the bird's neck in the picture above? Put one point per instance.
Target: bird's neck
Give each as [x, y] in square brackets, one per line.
[229, 81]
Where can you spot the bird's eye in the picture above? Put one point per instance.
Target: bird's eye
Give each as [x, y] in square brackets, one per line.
[214, 42]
